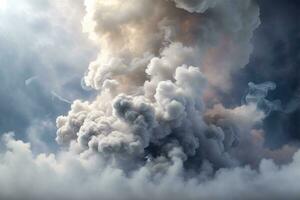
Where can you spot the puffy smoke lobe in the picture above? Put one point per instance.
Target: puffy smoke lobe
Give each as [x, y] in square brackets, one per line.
[134, 33]
[149, 133]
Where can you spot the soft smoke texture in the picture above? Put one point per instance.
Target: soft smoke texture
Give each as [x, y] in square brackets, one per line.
[257, 95]
[67, 176]
[196, 5]
[156, 63]
[149, 134]
[133, 33]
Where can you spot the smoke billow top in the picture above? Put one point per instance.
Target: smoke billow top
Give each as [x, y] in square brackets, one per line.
[158, 128]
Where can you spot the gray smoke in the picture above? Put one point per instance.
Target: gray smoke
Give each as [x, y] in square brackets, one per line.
[258, 93]
[158, 59]
[67, 176]
[149, 133]
[196, 5]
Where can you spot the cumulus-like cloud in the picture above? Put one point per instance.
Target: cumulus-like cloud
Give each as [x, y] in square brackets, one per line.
[132, 33]
[149, 133]
[69, 176]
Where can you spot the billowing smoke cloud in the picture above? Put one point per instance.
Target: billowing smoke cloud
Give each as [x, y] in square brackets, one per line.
[69, 176]
[150, 134]
[133, 33]
[155, 63]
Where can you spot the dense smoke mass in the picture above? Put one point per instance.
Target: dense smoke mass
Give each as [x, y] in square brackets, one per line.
[175, 52]
[158, 127]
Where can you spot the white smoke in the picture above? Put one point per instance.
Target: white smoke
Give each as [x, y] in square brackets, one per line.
[149, 134]
[67, 176]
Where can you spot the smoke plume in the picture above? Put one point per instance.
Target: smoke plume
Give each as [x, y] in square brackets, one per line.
[153, 132]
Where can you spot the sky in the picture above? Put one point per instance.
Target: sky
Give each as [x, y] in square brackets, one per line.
[139, 99]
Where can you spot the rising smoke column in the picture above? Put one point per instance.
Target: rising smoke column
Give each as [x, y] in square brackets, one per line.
[158, 59]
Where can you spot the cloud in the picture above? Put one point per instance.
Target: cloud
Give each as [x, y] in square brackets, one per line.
[150, 115]
[149, 133]
[129, 38]
[67, 176]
